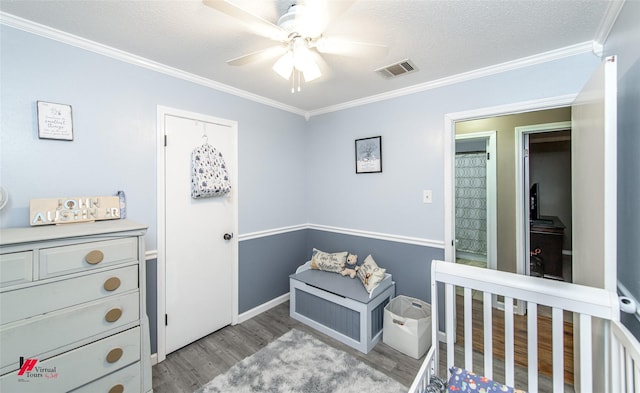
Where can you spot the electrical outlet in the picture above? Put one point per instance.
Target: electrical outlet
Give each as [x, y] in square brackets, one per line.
[426, 196]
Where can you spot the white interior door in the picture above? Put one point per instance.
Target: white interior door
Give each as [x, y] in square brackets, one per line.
[593, 174]
[199, 260]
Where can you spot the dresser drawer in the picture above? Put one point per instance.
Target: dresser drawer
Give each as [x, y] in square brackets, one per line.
[62, 294]
[16, 268]
[51, 333]
[82, 366]
[126, 380]
[69, 259]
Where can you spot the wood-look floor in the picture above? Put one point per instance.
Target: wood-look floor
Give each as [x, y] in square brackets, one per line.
[188, 368]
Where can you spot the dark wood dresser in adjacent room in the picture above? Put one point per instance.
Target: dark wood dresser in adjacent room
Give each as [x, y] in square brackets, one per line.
[546, 243]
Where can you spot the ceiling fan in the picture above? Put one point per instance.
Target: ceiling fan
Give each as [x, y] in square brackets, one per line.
[300, 33]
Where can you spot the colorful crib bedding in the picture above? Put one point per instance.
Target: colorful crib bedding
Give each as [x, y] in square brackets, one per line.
[463, 381]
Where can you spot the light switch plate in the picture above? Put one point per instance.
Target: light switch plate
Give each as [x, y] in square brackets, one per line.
[426, 196]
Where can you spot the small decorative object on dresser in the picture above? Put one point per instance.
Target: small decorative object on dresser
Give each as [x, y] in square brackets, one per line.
[66, 210]
[73, 308]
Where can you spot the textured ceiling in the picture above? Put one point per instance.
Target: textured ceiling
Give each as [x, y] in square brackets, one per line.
[442, 38]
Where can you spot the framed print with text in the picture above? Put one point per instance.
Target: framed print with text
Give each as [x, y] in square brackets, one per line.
[54, 121]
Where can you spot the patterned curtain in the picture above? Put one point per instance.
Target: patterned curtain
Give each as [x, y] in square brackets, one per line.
[471, 202]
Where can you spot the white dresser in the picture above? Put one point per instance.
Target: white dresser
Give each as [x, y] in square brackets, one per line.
[73, 309]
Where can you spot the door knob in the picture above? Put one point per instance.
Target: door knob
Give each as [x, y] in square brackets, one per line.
[228, 236]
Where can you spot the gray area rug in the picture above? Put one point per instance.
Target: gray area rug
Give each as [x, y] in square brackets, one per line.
[299, 363]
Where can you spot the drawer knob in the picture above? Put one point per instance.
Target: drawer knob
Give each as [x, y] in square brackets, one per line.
[94, 257]
[114, 355]
[112, 284]
[119, 388]
[113, 315]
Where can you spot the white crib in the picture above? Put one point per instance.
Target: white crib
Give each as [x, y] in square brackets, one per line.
[608, 355]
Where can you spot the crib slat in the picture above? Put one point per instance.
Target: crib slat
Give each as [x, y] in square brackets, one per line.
[532, 345]
[449, 323]
[508, 341]
[630, 373]
[636, 373]
[558, 349]
[629, 367]
[586, 363]
[616, 359]
[468, 330]
[634, 387]
[488, 334]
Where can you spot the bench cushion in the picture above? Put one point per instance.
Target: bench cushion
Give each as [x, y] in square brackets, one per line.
[344, 286]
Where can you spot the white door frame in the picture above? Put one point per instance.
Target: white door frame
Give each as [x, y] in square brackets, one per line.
[449, 152]
[492, 203]
[522, 179]
[162, 111]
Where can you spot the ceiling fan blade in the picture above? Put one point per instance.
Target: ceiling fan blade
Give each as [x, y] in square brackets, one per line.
[256, 23]
[342, 47]
[313, 18]
[319, 14]
[260, 55]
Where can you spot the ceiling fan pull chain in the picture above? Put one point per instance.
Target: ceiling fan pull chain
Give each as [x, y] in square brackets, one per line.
[293, 82]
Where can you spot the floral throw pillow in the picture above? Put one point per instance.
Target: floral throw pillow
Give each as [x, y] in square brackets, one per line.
[465, 381]
[335, 262]
[370, 274]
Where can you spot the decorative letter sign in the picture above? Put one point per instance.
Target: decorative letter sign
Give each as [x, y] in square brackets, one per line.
[70, 210]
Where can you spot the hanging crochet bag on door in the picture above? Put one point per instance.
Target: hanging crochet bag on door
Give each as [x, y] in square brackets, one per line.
[209, 175]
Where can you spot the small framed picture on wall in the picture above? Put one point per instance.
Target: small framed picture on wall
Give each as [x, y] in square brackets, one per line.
[54, 121]
[369, 155]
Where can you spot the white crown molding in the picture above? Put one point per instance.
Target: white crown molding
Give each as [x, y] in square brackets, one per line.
[585, 47]
[609, 19]
[344, 231]
[92, 46]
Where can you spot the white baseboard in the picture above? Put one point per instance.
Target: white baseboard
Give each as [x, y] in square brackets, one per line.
[154, 359]
[245, 316]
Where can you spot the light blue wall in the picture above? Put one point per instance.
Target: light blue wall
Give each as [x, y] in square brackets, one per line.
[291, 172]
[408, 264]
[114, 148]
[624, 42]
[412, 129]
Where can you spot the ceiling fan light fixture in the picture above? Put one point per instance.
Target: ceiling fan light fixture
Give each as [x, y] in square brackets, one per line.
[303, 61]
[311, 71]
[284, 65]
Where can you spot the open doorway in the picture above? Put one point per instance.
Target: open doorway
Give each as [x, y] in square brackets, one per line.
[475, 199]
[507, 174]
[544, 184]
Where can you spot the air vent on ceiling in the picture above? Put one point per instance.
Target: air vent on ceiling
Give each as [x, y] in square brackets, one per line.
[403, 67]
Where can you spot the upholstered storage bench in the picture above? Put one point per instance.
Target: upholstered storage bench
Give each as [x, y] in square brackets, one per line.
[340, 306]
